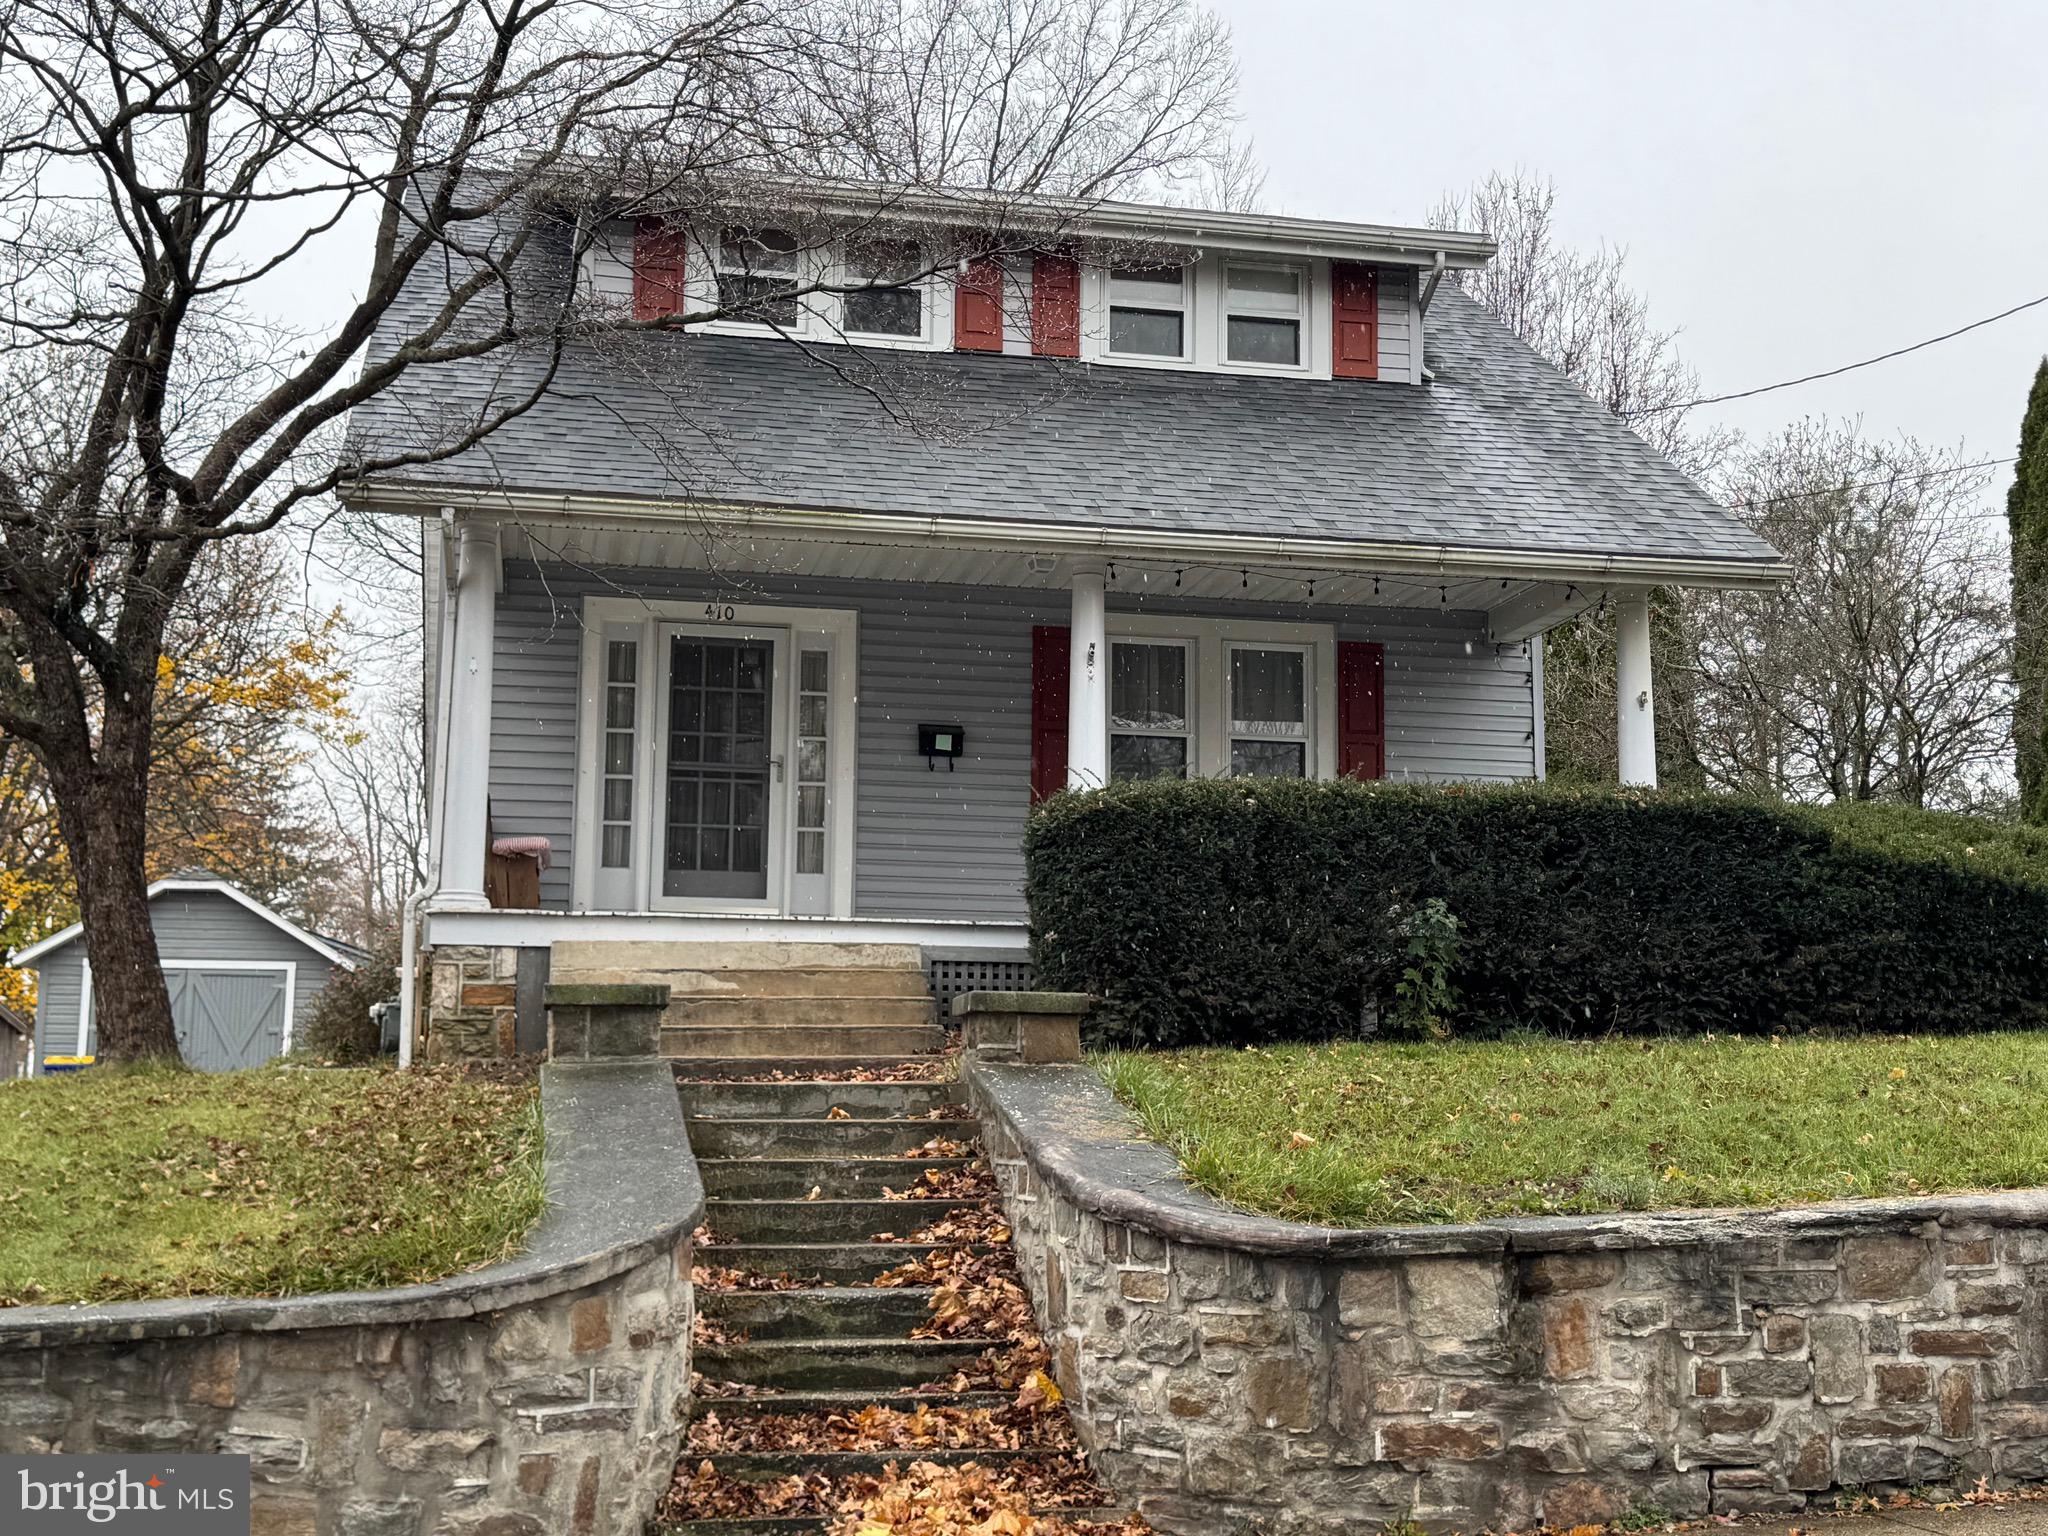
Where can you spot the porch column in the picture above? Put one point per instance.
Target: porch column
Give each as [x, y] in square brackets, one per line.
[1088, 686]
[1635, 713]
[466, 778]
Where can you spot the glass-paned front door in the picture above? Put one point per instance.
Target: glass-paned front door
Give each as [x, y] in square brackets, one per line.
[721, 759]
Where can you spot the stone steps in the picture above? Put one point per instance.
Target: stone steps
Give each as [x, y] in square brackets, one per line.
[826, 1221]
[763, 1136]
[879, 1363]
[735, 1068]
[763, 1466]
[839, 1311]
[774, 1015]
[840, 1343]
[809, 1525]
[792, 1178]
[832, 1264]
[837, 1400]
[814, 1100]
[825, 1046]
[793, 982]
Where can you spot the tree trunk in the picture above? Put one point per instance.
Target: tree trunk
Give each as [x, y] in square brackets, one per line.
[101, 811]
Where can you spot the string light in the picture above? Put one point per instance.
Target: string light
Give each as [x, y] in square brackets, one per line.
[1176, 578]
[1245, 579]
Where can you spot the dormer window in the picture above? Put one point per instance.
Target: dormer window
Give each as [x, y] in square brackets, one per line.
[1148, 312]
[1264, 308]
[884, 310]
[757, 275]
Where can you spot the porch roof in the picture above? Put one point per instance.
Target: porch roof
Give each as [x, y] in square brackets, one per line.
[1500, 452]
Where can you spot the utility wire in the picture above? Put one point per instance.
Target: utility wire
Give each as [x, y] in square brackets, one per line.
[1882, 357]
[1915, 476]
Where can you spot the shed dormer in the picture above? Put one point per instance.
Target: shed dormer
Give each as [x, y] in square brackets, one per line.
[1118, 285]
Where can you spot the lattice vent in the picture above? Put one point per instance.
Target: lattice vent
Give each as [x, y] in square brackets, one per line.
[949, 978]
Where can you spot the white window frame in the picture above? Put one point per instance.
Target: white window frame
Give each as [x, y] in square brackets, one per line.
[1308, 699]
[706, 252]
[1300, 315]
[1209, 680]
[834, 629]
[935, 308]
[1208, 318]
[1190, 733]
[1187, 308]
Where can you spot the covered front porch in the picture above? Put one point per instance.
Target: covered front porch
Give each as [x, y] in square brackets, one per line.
[763, 724]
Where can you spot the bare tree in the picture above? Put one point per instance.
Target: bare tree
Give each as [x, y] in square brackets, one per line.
[1883, 671]
[1579, 310]
[370, 787]
[164, 163]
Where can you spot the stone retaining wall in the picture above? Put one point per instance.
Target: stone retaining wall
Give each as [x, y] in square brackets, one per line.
[538, 1397]
[1237, 1374]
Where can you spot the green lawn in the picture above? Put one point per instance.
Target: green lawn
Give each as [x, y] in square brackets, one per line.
[119, 1185]
[1358, 1135]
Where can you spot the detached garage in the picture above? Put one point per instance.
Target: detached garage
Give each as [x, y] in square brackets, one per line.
[242, 978]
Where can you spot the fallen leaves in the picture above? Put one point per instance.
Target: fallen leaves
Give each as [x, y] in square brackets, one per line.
[971, 1182]
[949, 1500]
[879, 1427]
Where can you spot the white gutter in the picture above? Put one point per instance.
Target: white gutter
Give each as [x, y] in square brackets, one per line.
[1446, 562]
[1085, 218]
[437, 813]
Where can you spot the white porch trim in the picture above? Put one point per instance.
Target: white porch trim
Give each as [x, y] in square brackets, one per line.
[1635, 705]
[647, 616]
[540, 929]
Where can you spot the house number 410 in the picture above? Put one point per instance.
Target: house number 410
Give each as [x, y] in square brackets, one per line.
[724, 611]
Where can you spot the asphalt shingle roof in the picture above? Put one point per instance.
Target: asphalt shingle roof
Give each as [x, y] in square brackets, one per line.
[1499, 452]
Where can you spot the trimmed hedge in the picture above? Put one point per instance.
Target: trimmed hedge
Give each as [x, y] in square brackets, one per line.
[1242, 911]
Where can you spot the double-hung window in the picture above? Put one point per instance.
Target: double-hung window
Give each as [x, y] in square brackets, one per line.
[757, 276]
[1269, 699]
[1148, 311]
[895, 305]
[1151, 723]
[1265, 308]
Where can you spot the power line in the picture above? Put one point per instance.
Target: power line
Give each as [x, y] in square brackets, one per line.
[1916, 476]
[1882, 357]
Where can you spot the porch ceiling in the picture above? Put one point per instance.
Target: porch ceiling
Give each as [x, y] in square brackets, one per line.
[1511, 604]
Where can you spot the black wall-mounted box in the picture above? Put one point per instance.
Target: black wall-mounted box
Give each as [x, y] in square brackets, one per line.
[937, 741]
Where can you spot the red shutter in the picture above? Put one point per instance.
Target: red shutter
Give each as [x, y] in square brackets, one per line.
[1355, 328]
[657, 270]
[1361, 710]
[1050, 648]
[1055, 306]
[978, 307]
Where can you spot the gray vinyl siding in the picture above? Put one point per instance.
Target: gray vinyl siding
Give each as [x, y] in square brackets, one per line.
[1399, 326]
[189, 925]
[932, 845]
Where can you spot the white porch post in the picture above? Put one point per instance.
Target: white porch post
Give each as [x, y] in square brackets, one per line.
[1635, 712]
[1088, 686]
[467, 777]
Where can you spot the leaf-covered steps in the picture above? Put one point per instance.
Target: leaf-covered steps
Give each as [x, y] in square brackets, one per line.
[813, 1377]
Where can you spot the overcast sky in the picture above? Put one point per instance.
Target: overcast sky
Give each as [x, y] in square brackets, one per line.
[1798, 185]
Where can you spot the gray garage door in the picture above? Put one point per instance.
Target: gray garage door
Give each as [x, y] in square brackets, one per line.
[227, 1019]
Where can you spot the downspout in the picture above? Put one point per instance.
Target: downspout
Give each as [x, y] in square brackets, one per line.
[437, 810]
[1429, 289]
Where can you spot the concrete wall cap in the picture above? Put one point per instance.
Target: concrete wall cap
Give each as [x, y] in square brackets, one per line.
[966, 1003]
[606, 994]
[622, 1187]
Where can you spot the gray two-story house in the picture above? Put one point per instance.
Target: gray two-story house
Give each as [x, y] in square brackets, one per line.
[772, 626]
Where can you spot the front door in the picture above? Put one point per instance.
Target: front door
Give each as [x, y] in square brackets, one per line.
[721, 824]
